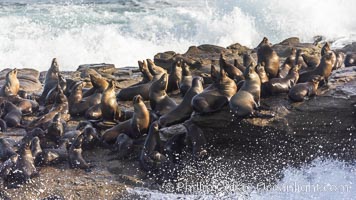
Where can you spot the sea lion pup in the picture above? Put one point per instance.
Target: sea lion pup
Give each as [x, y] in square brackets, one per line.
[24, 168]
[109, 107]
[232, 71]
[150, 158]
[248, 60]
[6, 150]
[79, 105]
[134, 127]
[51, 80]
[36, 146]
[12, 84]
[283, 85]
[55, 129]
[160, 102]
[123, 145]
[266, 54]
[146, 74]
[288, 64]
[12, 114]
[218, 94]
[247, 99]
[183, 111]
[53, 156]
[186, 81]
[99, 85]
[75, 157]
[175, 76]
[302, 90]
[324, 69]
[154, 69]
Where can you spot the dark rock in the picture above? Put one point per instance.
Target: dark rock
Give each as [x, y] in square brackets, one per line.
[284, 48]
[237, 48]
[349, 48]
[29, 79]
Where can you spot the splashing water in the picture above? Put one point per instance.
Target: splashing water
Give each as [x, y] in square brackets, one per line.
[121, 32]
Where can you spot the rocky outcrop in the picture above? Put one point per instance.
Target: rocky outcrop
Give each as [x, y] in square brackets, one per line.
[29, 79]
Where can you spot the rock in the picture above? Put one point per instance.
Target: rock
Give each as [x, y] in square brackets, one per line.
[237, 48]
[349, 48]
[165, 59]
[29, 79]
[284, 48]
[168, 132]
[350, 59]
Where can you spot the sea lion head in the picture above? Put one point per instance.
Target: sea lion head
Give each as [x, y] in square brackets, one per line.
[54, 66]
[90, 135]
[163, 82]
[98, 82]
[12, 74]
[264, 42]
[185, 69]
[198, 82]
[57, 117]
[250, 72]
[293, 51]
[137, 100]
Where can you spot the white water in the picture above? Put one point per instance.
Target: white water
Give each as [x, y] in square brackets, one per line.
[328, 179]
[121, 32]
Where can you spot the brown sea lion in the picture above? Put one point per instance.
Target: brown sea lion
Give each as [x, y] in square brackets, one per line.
[12, 114]
[248, 60]
[51, 80]
[109, 107]
[325, 49]
[99, 85]
[35, 146]
[6, 150]
[75, 157]
[94, 113]
[260, 69]
[53, 156]
[127, 94]
[186, 81]
[12, 84]
[183, 111]
[154, 69]
[232, 71]
[266, 54]
[146, 74]
[218, 94]
[160, 102]
[55, 129]
[302, 90]
[283, 85]
[134, 127]
[288, 64]
[324, 69]
[239, 66]
[175, 76]
[300, 61]
[247, 99]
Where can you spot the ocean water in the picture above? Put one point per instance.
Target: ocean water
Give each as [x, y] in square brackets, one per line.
[123, 31]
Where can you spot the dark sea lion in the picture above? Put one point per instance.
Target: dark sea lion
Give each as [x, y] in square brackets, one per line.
[218, 94]
[7, 166]
[198, 140]
[134, 127]
[53, 156]
[91, 138]
[51, 95]
[55, 129]
[340, 58]
[12, 114]
[239, 66]
[302, 90]
[324, 69]
[24, 168]
[350, 59]
[288, 64]
[123, 145]
[146, 74]
[175, 76]
[109, 107]
[283, 85]
[3, 126]
[51, 80]
[248, 60]
[36, 146]
[232, 71]
[183, 111]
[75, 157]
[99, 85]
[247, 99]
[325, 49]
[266, 54]
[150, 157]
[260, 69]
[154, 69]
[6, 150]
[160, 102]
[28, 106]
[186, 81]
[12, 84]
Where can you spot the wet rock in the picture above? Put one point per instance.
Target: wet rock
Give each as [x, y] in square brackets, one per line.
[29, 79]
[284, 48]
[349, 48]
[168, 132]
[237, 48]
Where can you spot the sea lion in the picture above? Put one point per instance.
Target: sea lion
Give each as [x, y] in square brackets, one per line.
[91, 138]
[160, 102]
[183, 111]
[6, 150]
[36, 146]
[325, 49]
[218, 94]
[288, 64]
[134, 127]
[232, 71]
[12, 84]
[75, 157]
[248, 60]
[340, 58]
[24, 168]
[266, 54]
[7, 166]
[51, 80]
[51, 95]
[306, 89]
[186, 81]
[175, 76]
[324, 69]
[28, 106]
[311, 61]
[198, 140]
[239, 66]
[52, 156]
[123, 145]
[146, 74]
[99, 85]
[260, 69]
[247, 99]
[283, 85]
[94, 113]
[154, 69]
[3, 126]
[55, 129]
[150, 157]
[12, 114]
[350, 59]
[109, 107]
